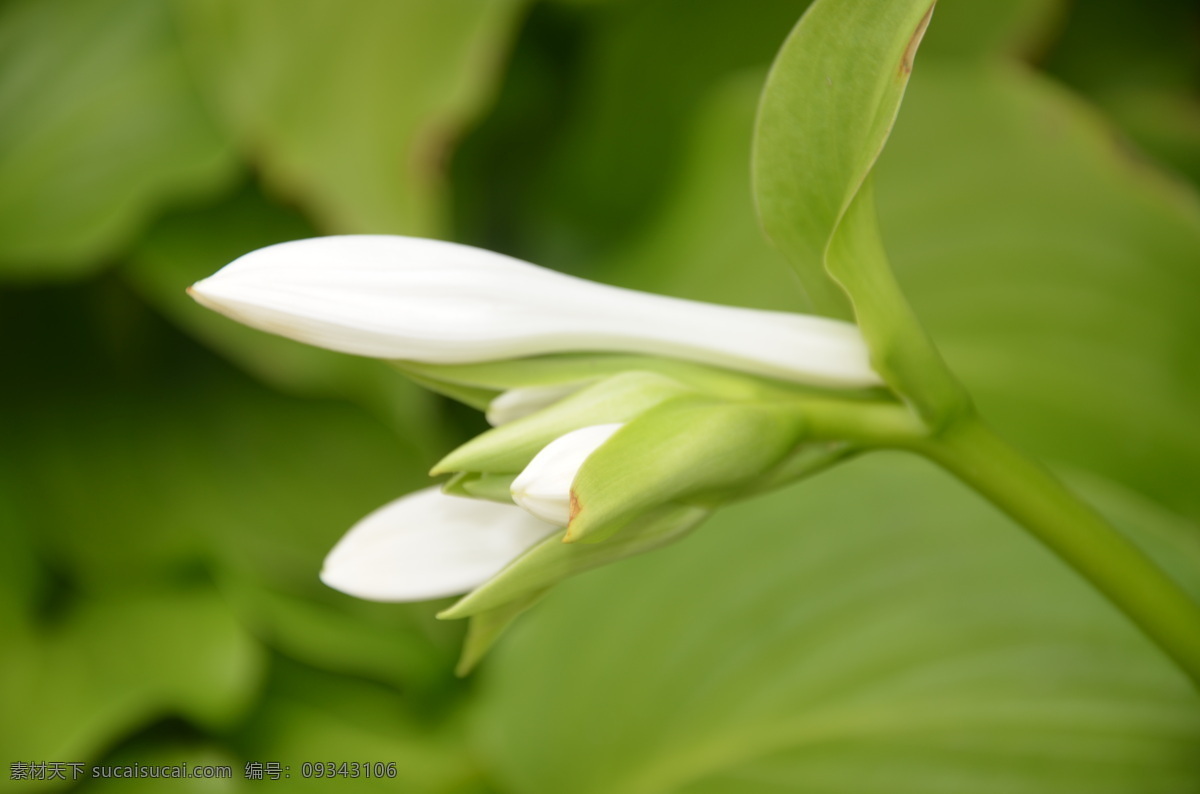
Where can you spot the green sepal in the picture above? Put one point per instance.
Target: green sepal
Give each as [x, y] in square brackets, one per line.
[552, 560]
[486, 627]
[498, 376]
[476, 397]
[691, 448]
[492, 487]
[494, 377]
[510, 447]
[808, 459]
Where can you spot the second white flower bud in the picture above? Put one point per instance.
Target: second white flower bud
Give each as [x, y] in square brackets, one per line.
[544, 487]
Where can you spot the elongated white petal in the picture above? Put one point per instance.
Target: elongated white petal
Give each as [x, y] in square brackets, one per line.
[443, 303]
[518, 403]
[544, 487]
[428, 545]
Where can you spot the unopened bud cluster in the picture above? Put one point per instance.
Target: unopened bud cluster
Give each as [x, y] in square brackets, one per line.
[620, 419]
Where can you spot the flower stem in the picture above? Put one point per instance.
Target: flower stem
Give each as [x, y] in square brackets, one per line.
[1038, 501]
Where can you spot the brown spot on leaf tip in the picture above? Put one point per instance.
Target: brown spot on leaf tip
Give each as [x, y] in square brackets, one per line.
[575, 507]
[910, 52]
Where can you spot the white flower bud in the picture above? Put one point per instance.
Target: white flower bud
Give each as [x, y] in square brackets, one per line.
[518, 403]
[429, 545]
[544, 487]
[441, 303]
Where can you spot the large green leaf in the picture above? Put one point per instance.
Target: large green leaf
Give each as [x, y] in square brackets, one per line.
[169, 752]
[878, 630]
[980, 29]
[1057, 273]
[309, 716]
[1139, 62]
[351, 109]
[159, 464]
[101, 125]
[114, 663]
[145, 484]
[705, 242]
[396, 645]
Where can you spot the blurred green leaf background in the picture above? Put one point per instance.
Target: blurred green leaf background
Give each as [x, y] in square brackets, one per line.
[170, 482]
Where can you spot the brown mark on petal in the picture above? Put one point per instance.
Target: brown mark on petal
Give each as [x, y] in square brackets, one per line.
[910, 52]
[575, 507]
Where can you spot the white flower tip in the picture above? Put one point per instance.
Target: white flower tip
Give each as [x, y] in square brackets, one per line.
[520, 402]
[544, 487]
[429, 545]
[197, 293]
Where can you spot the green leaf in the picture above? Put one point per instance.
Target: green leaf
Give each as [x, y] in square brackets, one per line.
[167, 751]
[179, 653]
[510, 447]
[585, 143]
[150, 485]
[707, 219]
[978, 30]
[1056, 268]
[682, 450]
[388, 643]
[101, 125]
[21, 576]
[351, 110]
[877, 630]
[308, 717]
[1137, 62]
[161, 465]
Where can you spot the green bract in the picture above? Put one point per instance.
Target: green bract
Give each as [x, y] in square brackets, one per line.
[827, 110]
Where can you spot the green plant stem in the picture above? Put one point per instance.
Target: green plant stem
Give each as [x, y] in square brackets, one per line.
[1037, 500]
